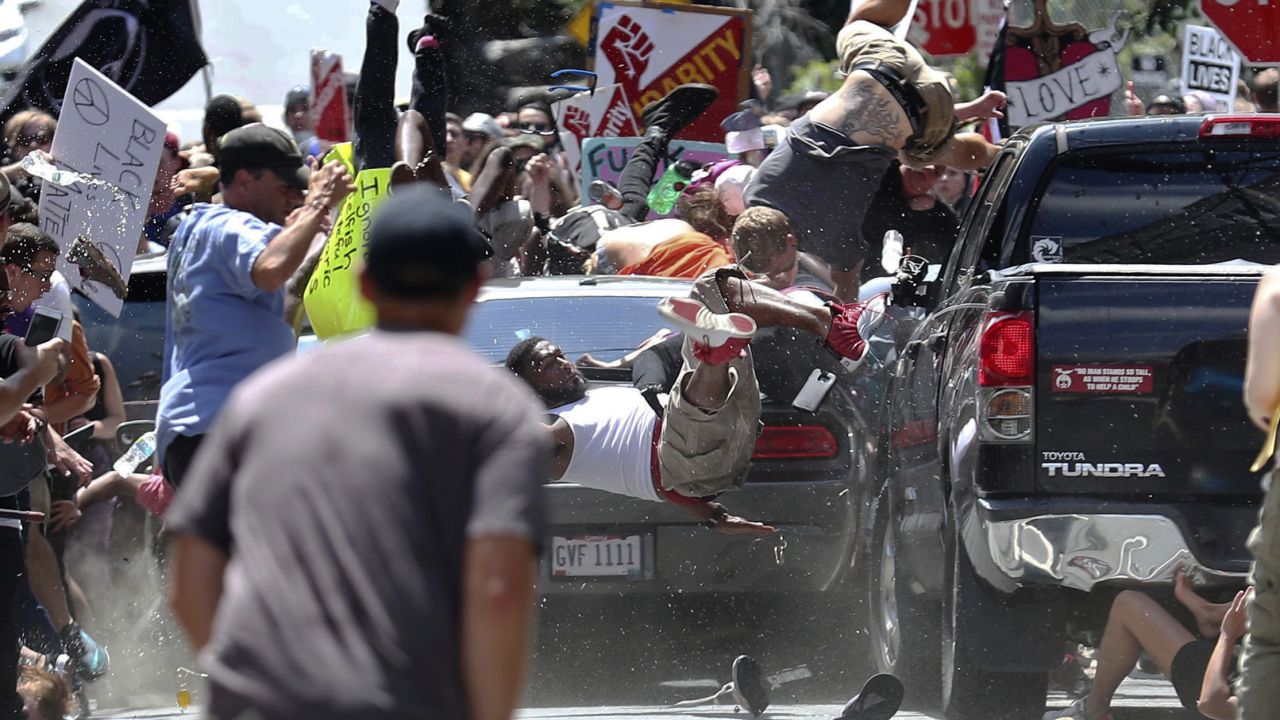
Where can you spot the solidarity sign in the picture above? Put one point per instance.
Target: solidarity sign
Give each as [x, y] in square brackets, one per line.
[651, 49]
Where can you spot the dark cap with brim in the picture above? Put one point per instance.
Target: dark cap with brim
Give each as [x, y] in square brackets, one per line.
[258, 146]
[422, 245]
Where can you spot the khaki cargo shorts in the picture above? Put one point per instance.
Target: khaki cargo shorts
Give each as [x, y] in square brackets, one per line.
[1260, 662]
[865, 42]
[703, 452]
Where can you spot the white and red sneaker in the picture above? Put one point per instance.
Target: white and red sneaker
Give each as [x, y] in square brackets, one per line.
[851, 325]
[717, 338]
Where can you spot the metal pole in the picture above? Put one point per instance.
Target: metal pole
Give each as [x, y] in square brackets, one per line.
[206, 72]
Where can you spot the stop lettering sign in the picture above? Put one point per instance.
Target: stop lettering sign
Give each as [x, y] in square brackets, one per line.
[1252, 26]
[944, 27]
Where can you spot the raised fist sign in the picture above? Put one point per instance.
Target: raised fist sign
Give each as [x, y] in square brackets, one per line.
[628, 49]
[577, 121]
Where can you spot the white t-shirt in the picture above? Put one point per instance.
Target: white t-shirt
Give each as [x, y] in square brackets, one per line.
[612, 442]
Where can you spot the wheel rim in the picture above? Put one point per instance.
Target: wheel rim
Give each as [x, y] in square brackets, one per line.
[890, 629]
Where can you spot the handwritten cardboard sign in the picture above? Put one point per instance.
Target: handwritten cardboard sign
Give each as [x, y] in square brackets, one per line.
[105, 132]
[332, 297]
[604, 158]
[1210, 65]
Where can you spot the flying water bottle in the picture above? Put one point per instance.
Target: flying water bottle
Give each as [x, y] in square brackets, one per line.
[662, 198]
[35, 165]
[139, 451]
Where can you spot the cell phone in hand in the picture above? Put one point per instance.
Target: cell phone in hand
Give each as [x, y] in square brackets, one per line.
[43, 327]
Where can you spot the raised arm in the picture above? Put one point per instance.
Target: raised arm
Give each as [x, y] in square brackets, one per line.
[286, 251]
[1216, 699]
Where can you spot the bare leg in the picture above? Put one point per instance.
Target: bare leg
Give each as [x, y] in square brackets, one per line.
[46, 581]
[770, 308]
[1136, 624]
[415, 148]
[495, 183]
[708, 386]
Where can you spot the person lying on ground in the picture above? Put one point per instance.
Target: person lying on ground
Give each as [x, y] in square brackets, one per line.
[1138, 624]
[891, 105]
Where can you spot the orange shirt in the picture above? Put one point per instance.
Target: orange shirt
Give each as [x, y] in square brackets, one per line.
[80, 379]
[687, 255]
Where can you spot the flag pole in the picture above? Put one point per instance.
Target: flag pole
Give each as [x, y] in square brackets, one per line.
[206, 72]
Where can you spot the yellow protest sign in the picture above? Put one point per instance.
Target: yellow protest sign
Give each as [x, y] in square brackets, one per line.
[344, 154]
[332, 297]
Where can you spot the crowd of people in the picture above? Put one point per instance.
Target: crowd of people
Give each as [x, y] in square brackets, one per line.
[309, 595]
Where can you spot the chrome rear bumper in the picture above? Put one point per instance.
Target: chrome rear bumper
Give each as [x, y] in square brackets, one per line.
[1080, 551]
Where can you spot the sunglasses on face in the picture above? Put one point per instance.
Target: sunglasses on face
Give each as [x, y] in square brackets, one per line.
[537, 128]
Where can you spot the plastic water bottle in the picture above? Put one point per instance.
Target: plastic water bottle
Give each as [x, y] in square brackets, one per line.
[662, 198]
[139, 451]
[36, 166]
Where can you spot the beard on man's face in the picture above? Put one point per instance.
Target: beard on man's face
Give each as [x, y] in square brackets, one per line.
[572, 389]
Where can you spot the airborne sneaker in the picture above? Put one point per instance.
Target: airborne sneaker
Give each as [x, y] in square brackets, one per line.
[851, 325]
[716, 338]
[678, 108]
[95, 266]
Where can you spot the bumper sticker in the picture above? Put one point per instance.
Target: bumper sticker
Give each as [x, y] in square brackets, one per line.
[1109, 379]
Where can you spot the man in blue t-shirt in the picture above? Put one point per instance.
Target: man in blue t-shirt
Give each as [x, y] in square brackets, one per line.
[228, 268]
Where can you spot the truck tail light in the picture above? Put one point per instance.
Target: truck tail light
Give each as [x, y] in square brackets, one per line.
[1238, 126]
[1006, 377]
[1007, 350]
[795, 443]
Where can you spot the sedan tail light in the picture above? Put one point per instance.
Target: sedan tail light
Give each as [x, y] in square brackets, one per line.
[795, 442]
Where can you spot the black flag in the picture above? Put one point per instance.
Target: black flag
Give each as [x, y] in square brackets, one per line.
[148, 47]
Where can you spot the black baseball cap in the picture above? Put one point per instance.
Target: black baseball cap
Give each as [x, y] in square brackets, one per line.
[422, 245]
[298, 95]
[258, 146]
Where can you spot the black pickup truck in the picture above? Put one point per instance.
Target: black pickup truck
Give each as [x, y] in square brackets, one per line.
[1065, 421]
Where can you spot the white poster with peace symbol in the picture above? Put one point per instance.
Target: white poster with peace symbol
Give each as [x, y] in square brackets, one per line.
[114, 142]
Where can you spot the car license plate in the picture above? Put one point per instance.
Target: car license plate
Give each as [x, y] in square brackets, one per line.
[619, 556]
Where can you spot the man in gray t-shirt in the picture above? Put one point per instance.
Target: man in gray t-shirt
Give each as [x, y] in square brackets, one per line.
[358, 536]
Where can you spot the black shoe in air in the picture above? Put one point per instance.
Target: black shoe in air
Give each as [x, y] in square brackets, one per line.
[879, 700]
[749, 688]
[679, 107]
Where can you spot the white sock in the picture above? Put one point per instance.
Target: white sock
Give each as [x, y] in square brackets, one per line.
[390, 5]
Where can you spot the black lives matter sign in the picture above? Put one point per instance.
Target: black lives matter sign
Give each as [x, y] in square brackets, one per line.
[1209, 65]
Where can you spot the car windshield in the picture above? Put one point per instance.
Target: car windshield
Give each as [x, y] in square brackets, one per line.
[135, 340]
[608, 327]
[1166, 207]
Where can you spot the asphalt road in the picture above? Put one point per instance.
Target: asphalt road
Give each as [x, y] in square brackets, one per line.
[1138, 700]
[601, 658]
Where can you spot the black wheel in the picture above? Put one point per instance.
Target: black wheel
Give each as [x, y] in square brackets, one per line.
[904, 625]
[970, 690]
